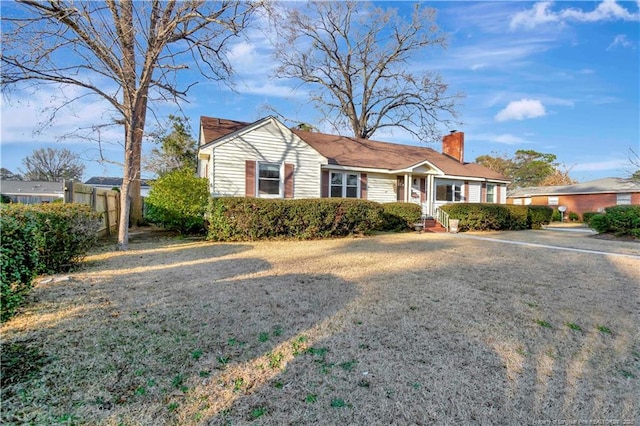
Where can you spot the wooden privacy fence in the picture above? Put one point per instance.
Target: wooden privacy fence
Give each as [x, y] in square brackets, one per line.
[103, 201]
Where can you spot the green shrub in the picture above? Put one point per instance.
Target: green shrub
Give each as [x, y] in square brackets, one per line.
[518, 217]
[241, 219]
[556, 216]
[574, 217]
[538, 216]
[600, 223]
[619, 220]
[493, 217]
[400, 216]
[63, 233]
[478, 217]
[18, 261]
[42, 238]
[178, 201]
[586, 216]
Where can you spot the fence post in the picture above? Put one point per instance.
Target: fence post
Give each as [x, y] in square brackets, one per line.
[68, 191]
[106, 212]
[94, 198]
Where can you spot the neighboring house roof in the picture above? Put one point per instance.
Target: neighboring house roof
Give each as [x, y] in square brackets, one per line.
[598, 186]
[362, 153]
[31, 188]
[111, 181]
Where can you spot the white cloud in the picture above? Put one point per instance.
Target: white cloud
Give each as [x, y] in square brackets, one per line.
[509, 139]
[25, 115]
[537, 15]
[522, 109]
[608, 10]
[600, 165]
[541, 13]
[620, 40]
[504, 138]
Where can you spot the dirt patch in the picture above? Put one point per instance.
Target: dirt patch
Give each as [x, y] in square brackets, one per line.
[392, 329]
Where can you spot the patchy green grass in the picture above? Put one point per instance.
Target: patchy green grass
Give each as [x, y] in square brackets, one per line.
[391, 329]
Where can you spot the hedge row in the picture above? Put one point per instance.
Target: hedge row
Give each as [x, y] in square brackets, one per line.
[242, 219]
[494, 217]
[618, 220]
[36, 239]
[399, 216]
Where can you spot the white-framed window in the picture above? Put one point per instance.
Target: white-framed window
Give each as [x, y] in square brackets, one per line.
[623, 199]
[448, 191]
[491, 193]
[517, 201]
[527, 201]
[552, 201]
[344, 185]
[269, 180]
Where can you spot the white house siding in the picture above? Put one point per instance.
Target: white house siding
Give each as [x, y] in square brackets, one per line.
[475, 192]
[503, 194]
[267, 143]
[381, 187]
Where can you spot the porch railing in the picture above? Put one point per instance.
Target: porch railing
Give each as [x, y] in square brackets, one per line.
[443, 218]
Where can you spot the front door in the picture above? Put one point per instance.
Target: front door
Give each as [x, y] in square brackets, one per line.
[417, 190]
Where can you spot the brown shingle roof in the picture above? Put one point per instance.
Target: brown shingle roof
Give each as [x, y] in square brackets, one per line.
[365, 153]
[354, 152]
[215, 128]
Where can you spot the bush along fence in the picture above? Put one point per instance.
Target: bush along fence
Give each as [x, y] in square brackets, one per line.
[104, 201]
[37, 239]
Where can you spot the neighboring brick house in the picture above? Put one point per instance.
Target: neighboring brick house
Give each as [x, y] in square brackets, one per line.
[592, 196]
[267, 159]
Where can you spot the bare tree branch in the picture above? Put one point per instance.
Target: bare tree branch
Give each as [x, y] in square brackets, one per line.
[358, 59]
[129, 53]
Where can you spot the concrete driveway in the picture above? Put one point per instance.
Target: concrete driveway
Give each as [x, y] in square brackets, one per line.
[570, 238]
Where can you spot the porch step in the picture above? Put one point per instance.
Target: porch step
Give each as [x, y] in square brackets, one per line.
[431, 225]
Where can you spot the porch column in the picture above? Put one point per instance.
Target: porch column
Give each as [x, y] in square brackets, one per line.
[431, 190]
[407, 187]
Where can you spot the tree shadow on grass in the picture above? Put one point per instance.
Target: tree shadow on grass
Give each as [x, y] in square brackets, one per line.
[126, 352]
[468, 345]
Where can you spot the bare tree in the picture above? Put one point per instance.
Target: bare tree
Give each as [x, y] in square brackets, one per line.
[358, 59]
[127, 53]
[6, 174]
[52, 165]
[560, 176]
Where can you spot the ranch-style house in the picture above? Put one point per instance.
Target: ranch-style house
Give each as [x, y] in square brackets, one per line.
[269, 160]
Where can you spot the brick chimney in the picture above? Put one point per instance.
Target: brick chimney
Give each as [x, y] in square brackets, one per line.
[453, 145]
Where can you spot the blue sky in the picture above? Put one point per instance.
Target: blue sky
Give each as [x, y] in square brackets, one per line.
[555, 77]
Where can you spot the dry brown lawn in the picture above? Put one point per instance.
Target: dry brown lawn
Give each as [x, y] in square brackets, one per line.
[392, 329]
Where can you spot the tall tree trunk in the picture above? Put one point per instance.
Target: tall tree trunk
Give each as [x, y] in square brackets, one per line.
[131, 173]
[139, 119]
